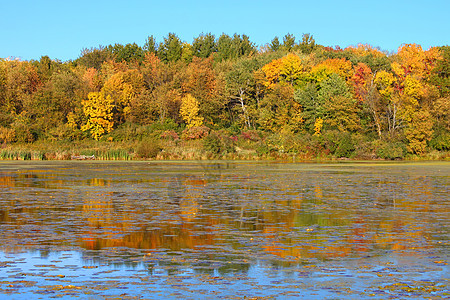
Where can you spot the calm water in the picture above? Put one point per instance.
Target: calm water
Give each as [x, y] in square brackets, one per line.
[140, 230]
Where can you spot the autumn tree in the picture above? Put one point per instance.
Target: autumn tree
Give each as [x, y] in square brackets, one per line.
[122, 88]
[187, 52]
[20, 80]
[92, 80]
[323, 70]
[98, 110]
[288, 69]
[200, 81]
[189, 111]
[366, 93]
[412, 69]
[158, 99]
[278, 110]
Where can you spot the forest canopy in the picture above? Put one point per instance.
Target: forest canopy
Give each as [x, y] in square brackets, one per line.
[288, 96]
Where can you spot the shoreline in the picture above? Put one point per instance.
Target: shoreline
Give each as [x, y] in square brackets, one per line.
[193, 150]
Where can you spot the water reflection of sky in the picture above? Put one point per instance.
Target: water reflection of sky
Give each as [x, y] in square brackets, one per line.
[68, 274]
[237, 230]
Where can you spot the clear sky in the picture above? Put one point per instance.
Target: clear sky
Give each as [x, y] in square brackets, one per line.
[61, 29]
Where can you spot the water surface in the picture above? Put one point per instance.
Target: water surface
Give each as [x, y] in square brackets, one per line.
[185, 230]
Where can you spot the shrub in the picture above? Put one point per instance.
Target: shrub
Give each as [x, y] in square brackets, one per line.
[148, 148]
[195, 133]
[340, 144]
[7, 135]
[24, 133]
[168, 124]
[440, 141]
[345, 146]
[170, 135]
[391, 150]
[218, 143]
[250, 135]
[263, 148]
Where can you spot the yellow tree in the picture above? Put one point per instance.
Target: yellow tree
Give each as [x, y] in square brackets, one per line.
[288, 69]
[364, 50]
[341, 67]
[189, 111]
[98, 112]
[123, 87]
[386, 85]
[412, 68]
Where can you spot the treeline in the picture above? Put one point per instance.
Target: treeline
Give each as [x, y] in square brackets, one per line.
[284, 97]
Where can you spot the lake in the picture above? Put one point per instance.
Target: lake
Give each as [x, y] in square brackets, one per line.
[224, 230]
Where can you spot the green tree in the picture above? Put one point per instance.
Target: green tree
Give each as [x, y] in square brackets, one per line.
[150, 45]
[440, 76]
[311, 108]
[187, 53]
[94, 57]
[204, 45]
[45, 67]
[308, 44]
[288, 42]
[243, 45]
[171, 49]
[128, 53]
[224, 47]
[241, 88]
[233, 48]
[339, 107]
[275, 44]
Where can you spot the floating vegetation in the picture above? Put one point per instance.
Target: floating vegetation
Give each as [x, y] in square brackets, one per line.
[133, 230]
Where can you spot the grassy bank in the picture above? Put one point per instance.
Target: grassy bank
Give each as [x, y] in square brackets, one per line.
[216, 145]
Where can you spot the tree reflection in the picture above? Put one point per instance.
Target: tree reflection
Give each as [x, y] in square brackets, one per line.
[289, 218]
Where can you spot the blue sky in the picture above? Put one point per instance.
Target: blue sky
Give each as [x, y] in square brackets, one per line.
[61, 29]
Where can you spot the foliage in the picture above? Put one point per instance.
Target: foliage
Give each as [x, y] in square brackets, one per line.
[189, 111]
[391, 150]
[204, 45]
[285, 97]
[440, 141]
[7, 135]
[340, 144]
[148, 148]
[170, 135]
[98, 112]
[195, 133]
[251, 135]
[217, 143]
[288, 69]
[171, 49]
